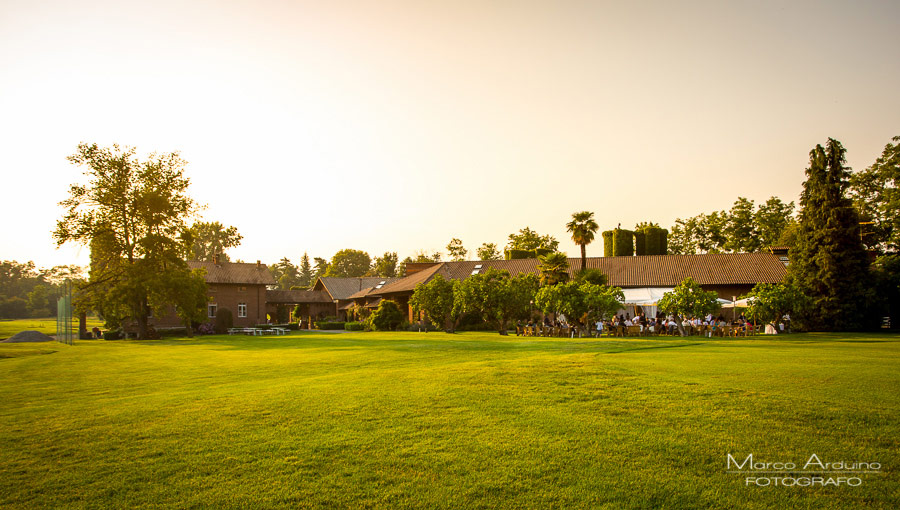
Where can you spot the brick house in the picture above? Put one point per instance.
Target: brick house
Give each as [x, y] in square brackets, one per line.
[236, 286]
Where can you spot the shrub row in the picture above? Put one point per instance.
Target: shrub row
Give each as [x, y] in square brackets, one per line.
[330, 325]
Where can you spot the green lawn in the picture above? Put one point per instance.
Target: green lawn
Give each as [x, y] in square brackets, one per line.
[447, 421]
[9, 327]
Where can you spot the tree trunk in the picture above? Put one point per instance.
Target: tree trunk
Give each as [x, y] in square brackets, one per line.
[679, 326]
[142, 320]
[583, 256]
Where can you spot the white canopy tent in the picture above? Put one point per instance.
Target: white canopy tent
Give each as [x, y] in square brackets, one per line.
[645, 297]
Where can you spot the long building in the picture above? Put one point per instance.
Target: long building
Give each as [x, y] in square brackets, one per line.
[730, 275]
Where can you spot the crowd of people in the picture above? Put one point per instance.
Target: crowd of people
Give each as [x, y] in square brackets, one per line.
[640, 324]
[663, 324]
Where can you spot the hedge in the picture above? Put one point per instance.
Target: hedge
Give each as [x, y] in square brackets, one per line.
[640, 243]
[526, 254]
[518, 254]
[354, 326]
[330, 325]
[618, 243]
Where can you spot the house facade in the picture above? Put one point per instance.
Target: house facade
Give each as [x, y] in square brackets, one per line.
[236, 286]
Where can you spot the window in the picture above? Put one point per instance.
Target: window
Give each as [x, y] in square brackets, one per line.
[211, 310]
[242, 309]
[212, 288]
[242, 289]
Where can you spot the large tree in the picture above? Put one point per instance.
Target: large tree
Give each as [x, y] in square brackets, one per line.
[529, 240]
[582, 227]
[829, 264]
[581, 302]
[385, 266]
[488, 251]
[435, 300]
[456, 250]
[876, 194]
[688, 299]
[207, 239]
[740, 229]
[770, 302]
[132, 214]
[349, 263]
[496, 297]
[304, 272]
[285, 273]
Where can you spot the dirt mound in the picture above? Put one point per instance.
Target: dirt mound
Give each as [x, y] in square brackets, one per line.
[29, 336]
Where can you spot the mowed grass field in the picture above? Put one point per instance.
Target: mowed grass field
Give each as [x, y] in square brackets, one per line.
[47, 326]
[396, 420]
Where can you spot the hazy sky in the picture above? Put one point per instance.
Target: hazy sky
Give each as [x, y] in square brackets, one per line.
[395, 126]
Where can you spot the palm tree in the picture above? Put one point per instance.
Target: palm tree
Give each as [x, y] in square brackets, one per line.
[583, 227]
[554, 268]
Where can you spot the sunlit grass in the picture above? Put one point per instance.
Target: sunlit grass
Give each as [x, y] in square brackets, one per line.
[437, 420]
[46, 325]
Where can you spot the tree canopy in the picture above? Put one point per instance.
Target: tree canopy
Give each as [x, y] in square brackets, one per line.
[529, 240]
[771, 301]
[349, 263]
[553, 268]
[436, 300]
[582, 227]
[207, 239]
[286, 274]
[456, 250]
[744, 228]
[496, 297]
[829, 263]
[385, 265]
[488, 251]
[581, 302]
[688, 299]
[875, 192]
[132, 214]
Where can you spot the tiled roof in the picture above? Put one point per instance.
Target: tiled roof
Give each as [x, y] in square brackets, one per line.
[234, 272]
[706, 269]
[344, 288]
[297, 296]
[640, 271]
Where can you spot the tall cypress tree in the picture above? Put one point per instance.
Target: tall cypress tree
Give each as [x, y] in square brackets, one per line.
[829, 263]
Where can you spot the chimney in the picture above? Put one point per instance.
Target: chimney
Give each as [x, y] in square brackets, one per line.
[216, 259]
[258, 265]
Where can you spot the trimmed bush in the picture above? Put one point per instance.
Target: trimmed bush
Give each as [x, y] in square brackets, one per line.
[656, 240]
[327, 325]
[224, 320]
[618, 243]
[540, 252]
[386, 317]
[640, 243]
[354, 326]
[607, 243]
[518, 254]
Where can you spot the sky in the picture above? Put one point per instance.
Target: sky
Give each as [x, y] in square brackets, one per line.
[398, 125]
